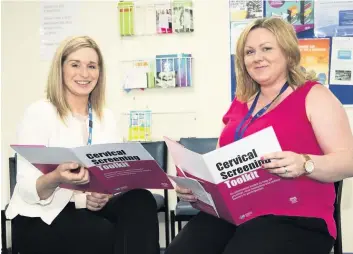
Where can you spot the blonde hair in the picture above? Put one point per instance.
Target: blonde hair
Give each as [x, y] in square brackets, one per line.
[55, 85]
[287, 41]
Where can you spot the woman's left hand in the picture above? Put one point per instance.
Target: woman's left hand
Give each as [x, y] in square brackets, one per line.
[284, 164]
[96, 201]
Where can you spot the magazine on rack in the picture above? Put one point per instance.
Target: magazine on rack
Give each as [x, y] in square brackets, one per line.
[113, 167]
[229, 182]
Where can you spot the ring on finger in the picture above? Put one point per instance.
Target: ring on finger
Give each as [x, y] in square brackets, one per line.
[285, 170]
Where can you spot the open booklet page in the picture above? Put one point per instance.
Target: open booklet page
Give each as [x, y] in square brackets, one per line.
[204, 199]
[237, 185]
[113, 167]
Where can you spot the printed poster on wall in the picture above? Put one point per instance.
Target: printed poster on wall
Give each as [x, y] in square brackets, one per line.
[140, 125]
[58, 20]
[243, 9]
[333, 18]
[237, 28]
[241, 13]
[315, 56]
[342, 61]
[298, 13]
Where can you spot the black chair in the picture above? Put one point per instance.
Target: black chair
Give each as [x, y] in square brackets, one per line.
[337, 215]
[183, 210]
[159, 152]
[3, 233]
[13, 249]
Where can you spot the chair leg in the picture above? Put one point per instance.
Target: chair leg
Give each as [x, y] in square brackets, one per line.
[14, 246]
[166, 219]
[337, 247]
[179, 225]
[172, 224]
[3, 233]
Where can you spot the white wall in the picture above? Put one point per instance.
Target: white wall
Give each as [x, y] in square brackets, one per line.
[195, 111]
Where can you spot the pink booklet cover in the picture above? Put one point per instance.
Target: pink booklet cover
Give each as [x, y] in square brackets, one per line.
[113, 167]
[229, 182]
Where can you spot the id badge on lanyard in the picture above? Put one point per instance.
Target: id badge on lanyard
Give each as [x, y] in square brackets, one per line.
[90, 123]
[241, 128]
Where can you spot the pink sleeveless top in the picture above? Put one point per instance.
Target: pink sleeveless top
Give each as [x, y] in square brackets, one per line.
[295, 133]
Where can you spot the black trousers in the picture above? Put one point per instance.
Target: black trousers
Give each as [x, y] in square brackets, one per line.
[128, 224]
[207, 234]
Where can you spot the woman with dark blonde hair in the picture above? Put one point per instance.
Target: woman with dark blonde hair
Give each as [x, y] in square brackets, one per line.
[56, 220]
[313, 131]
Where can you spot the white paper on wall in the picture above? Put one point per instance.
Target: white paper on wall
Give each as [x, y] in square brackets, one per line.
[58, 21]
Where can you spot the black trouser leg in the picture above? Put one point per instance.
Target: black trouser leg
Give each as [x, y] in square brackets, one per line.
[135, 215]
[204, 234]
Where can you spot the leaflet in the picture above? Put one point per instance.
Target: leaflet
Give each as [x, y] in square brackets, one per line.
[232, 184]
[113, 167]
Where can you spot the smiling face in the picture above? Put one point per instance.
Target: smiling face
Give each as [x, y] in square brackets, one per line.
[81, 72]
[264, 60]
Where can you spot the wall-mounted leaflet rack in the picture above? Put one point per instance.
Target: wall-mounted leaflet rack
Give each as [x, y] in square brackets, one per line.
[165, 71]
[140, 18]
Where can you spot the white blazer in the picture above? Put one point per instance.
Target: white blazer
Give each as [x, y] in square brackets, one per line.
[41, 125]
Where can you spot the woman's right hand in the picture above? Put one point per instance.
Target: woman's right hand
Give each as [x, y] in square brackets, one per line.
[71, 173]
[64, 173]
[185, 194]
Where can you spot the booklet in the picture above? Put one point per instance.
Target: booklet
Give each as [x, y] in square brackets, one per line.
[113, 167]
[229, 182]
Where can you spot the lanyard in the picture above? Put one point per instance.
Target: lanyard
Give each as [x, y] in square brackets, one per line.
[90, 123]
[241, 128]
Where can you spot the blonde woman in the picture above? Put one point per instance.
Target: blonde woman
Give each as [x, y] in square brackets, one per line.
[56, 220]
[313, 130]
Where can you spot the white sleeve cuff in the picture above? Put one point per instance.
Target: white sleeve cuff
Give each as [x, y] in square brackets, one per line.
[27, 188]
[80, 200]
[27, 176]
[28, 191]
